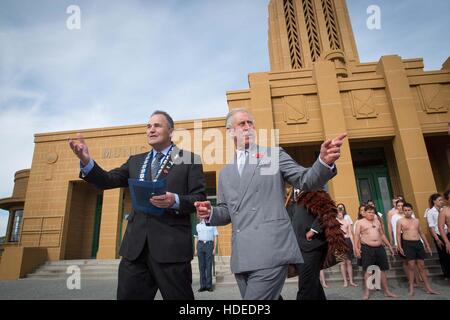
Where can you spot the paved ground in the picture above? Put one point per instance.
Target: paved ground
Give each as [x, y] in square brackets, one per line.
[106, 289]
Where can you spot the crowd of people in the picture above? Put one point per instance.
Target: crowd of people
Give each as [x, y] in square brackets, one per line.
[157, 251]
[404, 238]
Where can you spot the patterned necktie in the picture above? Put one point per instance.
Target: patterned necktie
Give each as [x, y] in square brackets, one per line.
[241, 162]
[156, 164]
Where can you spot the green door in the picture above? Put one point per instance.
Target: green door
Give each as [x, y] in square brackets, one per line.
[373, 183]
[97, 221]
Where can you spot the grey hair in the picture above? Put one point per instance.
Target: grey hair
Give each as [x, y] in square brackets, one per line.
[230, 115]
[167, 116]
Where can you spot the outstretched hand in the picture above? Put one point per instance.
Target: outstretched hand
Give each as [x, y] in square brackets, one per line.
[330, 150]
[203, 209]
[80, 148]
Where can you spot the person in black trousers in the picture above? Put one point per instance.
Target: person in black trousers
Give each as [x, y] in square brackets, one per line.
[313, 246]
[156, 249]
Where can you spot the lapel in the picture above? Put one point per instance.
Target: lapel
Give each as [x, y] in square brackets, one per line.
[176, 155]
[247, 174]
[232, 182]
[234, 173]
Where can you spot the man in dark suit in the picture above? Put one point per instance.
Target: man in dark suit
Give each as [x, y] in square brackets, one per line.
[156, 250]
[313, 246]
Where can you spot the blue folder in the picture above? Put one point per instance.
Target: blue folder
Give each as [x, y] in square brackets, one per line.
[142, 191]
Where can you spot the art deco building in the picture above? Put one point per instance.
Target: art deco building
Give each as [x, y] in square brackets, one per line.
[395, 113]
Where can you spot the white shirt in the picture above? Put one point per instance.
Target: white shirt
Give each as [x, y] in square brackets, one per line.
[432, 219]
[348, 218]
[394, 221]
[206, 233]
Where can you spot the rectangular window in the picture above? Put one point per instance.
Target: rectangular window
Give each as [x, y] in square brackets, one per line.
[16, 225]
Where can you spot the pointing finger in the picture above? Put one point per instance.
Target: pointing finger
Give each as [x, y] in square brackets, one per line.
[340, 138]
[326, 144]
[80, 138]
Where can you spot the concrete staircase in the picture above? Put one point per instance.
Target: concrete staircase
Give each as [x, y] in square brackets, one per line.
[396, 272]
[108, 270]
[89, 269]
[333, 274]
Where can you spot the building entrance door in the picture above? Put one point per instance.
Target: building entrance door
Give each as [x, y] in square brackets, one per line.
[97, 221]
[373, 183]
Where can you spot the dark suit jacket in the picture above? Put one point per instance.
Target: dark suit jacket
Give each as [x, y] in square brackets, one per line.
[169, 236]
[302, 221]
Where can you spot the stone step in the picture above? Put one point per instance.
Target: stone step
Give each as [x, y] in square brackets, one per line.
[45, 275]
[91, 276]
[96, 269]
[229, 279]
[82, 267]
[80, 262]
[86, 267]
[108, 269]
[397, 266]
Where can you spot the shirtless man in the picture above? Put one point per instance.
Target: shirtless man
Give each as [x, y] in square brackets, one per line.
[370, 238]
[346, 265]
[409, 245]
[393, 235]
[444, 219]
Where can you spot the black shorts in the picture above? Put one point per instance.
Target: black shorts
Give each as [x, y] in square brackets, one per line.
[374, 256]
[349, 254]
[413, 250]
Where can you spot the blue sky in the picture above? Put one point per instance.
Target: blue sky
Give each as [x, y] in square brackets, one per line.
[131, 57]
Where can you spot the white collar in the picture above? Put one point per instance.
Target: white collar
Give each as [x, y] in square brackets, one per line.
[164, 152]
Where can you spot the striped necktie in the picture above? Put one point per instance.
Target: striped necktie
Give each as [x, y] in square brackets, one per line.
[156, 164]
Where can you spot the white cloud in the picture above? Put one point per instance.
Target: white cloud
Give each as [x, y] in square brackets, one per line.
[18, 126]
[128, 59]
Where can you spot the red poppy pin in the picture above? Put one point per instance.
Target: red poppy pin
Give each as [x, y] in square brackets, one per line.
[259, 155]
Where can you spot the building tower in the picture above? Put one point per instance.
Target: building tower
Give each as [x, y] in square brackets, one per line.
[302, 32]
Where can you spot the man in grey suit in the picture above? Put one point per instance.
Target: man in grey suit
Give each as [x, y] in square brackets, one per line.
[251, 197]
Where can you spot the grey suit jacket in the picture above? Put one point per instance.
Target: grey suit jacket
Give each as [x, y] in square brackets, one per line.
[262, 234]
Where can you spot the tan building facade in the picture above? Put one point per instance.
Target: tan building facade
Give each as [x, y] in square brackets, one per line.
[395, 113]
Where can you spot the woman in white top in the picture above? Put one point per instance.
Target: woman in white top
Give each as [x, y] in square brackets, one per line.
[341, 207]
[361, 214]
[436, 203]
[395, 217]
[389, 217]
[346, 265]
